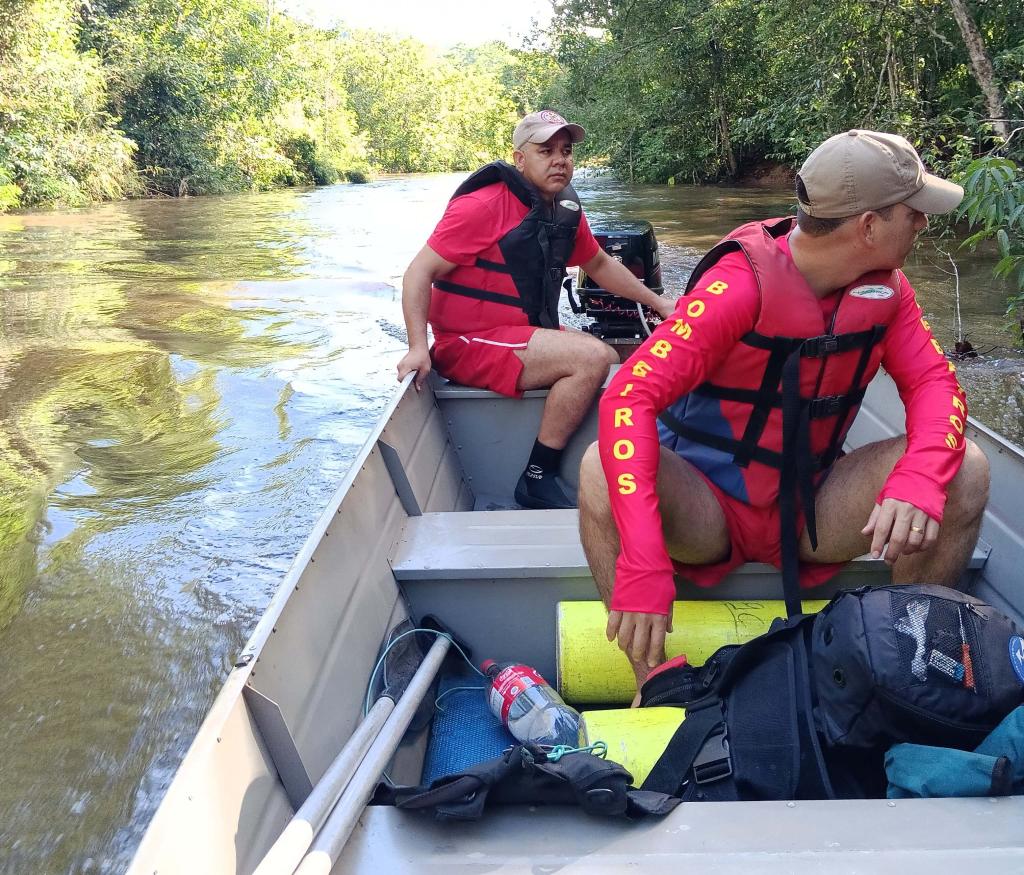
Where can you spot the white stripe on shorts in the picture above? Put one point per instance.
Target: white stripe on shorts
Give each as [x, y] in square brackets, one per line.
[465, 339]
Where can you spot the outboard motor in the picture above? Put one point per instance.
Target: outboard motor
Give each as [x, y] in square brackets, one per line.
[634, 244]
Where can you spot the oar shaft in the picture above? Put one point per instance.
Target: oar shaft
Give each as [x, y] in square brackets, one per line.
[342, 820]
[287, 852]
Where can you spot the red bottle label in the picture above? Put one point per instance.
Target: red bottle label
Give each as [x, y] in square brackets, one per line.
[508, 684]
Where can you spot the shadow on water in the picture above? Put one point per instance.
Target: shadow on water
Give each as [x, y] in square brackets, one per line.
[182, 386]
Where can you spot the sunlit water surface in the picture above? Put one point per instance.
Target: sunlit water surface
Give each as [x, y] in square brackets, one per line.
[182, 386]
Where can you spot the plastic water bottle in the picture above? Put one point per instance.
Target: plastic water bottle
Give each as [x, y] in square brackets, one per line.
[531, 710]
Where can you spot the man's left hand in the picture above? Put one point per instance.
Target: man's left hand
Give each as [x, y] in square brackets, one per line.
[905, 528]
[641, 637]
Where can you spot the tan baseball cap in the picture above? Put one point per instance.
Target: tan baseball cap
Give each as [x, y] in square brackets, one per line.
[859, 171]
[539, 127]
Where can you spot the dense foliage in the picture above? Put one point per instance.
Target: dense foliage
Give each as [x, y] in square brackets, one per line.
[701, 92]
[108, 98]
[708, 91]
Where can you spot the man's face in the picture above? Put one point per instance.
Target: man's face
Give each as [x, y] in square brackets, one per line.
[547, 165]
[899, 233]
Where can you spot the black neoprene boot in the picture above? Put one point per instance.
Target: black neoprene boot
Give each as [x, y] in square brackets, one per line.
[541, 490]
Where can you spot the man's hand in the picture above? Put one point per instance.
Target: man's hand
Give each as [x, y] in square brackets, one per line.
[664, 308]
[907, 529]
[641, 636]
[415, 360]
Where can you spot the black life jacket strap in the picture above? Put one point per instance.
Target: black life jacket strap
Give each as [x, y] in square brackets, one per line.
[856, 389]
[798, 465]
[814, 347]
[479, 294]
[493, 265]
[821, 407]
[788, 475]
[717, 441]
[766, 398]
[804, 687]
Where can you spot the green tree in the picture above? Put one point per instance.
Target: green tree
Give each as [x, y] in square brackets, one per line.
[194, 84]
[58, 144]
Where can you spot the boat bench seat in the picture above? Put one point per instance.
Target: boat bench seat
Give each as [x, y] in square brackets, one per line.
[474, 571]
[508, 544]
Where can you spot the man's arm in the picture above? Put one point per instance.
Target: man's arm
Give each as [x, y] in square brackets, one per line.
[426, 267]
[615, 277]
[914, 494]
[680, 354]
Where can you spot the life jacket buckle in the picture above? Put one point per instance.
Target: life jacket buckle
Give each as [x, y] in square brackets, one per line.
[817, 347]
[713, 762]
[827, 405]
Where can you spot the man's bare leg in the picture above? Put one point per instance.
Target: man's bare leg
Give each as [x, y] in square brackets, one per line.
[574, 365]
[847, 497]
[692, 521]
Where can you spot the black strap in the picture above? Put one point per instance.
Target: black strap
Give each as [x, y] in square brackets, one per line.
[788, 475]
[717, 441]
[674, 768]
[766, 399]
[495, 266]
[876, 334]
[805, 711]
[479, 294]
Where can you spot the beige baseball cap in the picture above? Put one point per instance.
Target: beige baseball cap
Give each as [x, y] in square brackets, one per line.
[859, 171]
[539, 127]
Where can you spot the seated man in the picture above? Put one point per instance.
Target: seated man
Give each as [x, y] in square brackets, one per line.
[488, 281]
[720, 440]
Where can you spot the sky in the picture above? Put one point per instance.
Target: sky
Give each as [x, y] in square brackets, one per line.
[441, 23]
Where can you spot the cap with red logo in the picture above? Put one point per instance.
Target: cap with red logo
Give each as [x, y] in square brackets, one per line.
[539, 127]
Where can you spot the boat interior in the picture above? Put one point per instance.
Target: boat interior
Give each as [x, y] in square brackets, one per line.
[423, 528]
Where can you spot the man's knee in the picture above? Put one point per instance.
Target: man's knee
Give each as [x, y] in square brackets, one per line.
[597, 356]
[968, 492]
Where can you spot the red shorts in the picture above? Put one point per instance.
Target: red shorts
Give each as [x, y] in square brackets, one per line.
[753, 537]
[483, 359]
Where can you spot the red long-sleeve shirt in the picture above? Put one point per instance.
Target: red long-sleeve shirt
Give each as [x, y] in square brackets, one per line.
[936, 416]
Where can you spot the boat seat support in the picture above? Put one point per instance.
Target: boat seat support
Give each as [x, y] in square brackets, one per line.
[280, 744]
[393, 462]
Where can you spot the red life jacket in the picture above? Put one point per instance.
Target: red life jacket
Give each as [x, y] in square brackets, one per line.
[535, 251]
[776, 411]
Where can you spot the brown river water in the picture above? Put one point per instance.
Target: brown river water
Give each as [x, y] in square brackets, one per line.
[183, 384]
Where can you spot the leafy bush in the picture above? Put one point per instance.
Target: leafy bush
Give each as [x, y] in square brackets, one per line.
[57, 143]
[993, 208]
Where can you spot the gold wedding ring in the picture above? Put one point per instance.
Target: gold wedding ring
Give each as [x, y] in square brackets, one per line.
[916, 529]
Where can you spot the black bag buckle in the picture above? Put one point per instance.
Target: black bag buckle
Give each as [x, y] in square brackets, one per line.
[816, 347]
[827, 405]
[713, 762]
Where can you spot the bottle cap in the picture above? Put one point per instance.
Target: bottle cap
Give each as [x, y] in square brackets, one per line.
[485, 666]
